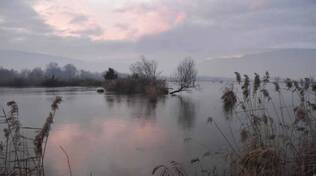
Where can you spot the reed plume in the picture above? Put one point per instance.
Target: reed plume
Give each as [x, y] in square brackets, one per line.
[17, 158]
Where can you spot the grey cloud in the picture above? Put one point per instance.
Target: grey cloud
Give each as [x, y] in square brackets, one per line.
[236, 27]
[94, 31]
[212, 28]
[18, 14]
[79, 19]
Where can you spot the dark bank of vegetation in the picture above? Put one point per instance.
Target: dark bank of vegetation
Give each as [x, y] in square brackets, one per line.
[146, 79]
[276, 121]
[51, 76]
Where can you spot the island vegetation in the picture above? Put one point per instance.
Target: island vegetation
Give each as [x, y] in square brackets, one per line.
[144, 78]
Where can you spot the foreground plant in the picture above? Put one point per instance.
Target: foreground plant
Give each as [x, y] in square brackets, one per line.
[22, 155]
[277, 136]
[172, 169]
[276, 121]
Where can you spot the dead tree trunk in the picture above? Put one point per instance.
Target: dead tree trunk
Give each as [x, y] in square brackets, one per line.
[176, 91]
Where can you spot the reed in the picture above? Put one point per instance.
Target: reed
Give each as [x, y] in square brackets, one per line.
[276, 121]
[277, 137]
[22, 155]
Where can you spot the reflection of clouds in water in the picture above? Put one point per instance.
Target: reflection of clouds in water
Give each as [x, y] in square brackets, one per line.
[186, 112]
[100, 142]
[106, 140]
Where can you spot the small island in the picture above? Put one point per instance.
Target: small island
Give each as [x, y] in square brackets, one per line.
[146, 79]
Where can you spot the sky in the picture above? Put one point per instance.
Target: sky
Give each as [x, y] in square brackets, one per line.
[164, 30]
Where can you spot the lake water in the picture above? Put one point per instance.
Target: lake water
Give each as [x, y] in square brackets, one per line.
[108, 134]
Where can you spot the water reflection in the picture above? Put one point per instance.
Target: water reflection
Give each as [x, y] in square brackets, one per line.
[106, 147]
[186, 112]
[112, 99]
[117, 134]
[140, 106]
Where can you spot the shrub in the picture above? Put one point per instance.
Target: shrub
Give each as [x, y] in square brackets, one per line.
[143, 80]
[136, 85]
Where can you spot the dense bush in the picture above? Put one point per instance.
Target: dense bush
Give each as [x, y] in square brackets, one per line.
[133, 84]
[143, 80]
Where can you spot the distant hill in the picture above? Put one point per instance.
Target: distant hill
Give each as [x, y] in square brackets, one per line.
[294, 63]
[20, 60]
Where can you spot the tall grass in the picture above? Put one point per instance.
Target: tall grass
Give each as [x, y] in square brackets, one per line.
[276, 122]
[277, 129]
[21, 155]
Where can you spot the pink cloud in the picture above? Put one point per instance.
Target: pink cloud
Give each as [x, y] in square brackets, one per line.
[138, 18]
[256, 4]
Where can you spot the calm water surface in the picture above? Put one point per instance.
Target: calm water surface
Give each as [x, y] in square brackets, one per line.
[108, 134]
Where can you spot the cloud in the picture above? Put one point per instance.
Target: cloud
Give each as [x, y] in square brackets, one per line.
[141, 19]
[166, 30]
[79, 19]
[17, 15]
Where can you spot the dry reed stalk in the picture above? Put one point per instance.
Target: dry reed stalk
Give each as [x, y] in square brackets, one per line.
[277, 139]
[18, 157]
[260, 162]
[68, 159]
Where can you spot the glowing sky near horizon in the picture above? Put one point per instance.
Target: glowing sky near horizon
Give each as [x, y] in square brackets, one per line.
[108, 20]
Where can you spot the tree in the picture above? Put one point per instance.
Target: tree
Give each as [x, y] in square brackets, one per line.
[111, 74]
[70, 71]
[36, 76]
[144, 68]
[185, 76]
[53, 69]
[7, 76]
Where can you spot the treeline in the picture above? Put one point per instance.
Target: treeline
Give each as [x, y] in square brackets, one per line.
[52, 76]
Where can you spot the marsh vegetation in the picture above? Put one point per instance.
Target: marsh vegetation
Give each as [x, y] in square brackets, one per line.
[276, 123]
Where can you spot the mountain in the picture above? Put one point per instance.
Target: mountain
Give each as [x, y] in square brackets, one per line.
[294, 63]
[19, 60]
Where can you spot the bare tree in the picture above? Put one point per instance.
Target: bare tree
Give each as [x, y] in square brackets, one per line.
[145, 69]
[185, 76]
